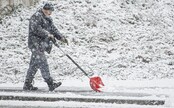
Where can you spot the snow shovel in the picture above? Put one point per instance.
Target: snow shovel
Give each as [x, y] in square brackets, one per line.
[95, 82]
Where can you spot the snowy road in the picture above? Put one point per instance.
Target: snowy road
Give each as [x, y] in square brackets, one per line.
[61, 104]
[84, 99]
[81, 96]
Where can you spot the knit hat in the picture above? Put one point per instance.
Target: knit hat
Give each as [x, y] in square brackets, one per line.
[48, 6]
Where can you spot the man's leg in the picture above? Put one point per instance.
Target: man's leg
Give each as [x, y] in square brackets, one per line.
[43, 66]
[30, 73]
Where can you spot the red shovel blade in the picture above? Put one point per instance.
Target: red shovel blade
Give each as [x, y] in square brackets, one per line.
[96, 83]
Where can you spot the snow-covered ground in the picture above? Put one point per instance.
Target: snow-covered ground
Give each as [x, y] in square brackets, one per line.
[107, 37]
[128, 43]
[114, 89]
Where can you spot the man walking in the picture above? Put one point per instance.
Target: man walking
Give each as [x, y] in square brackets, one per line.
[41, 32]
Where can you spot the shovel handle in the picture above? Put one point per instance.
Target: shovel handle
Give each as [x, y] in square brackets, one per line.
[77, 65]
[71, 59]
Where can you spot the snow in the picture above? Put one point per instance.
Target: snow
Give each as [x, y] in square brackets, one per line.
[72, 105]
[137, 90]
[128, 43]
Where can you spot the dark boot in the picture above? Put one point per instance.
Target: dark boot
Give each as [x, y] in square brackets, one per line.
[29, 86]
[52, 85]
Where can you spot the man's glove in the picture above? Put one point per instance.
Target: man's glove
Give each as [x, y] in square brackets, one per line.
[64, 40]
[52, 38]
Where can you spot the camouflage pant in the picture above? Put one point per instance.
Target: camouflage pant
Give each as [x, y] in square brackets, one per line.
[38, 61]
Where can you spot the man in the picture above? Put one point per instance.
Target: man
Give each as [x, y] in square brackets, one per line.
[41, 32]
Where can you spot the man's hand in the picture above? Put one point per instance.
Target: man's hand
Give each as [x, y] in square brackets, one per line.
[50, 36]
[64, 40]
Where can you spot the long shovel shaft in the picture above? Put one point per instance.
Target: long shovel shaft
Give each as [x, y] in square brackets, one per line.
[77, 65]
[95, 82]
[71, 60]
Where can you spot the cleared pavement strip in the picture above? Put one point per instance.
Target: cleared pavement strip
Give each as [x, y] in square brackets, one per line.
[83, 99]
[82, 96]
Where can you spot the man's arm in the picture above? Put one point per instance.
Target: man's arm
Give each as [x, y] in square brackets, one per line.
[36, 28]
[55, 31]
[57, 34]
